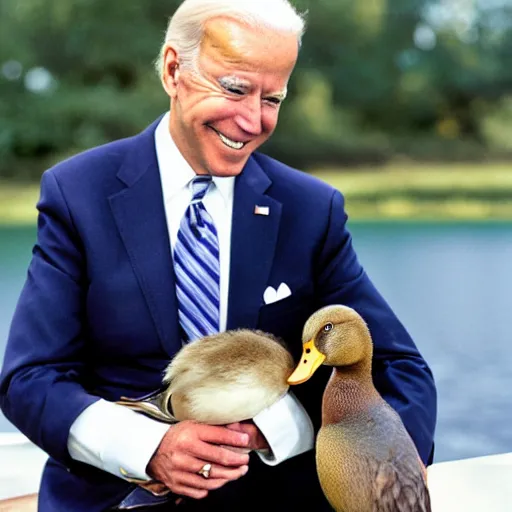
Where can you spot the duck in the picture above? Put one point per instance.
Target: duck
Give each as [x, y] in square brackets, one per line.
[365, 459]
[219, 379]
[223, 378]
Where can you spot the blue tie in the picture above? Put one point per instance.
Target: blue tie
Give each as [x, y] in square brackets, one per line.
[197, 269]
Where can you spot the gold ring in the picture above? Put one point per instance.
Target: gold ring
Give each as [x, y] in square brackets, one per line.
[205, 471]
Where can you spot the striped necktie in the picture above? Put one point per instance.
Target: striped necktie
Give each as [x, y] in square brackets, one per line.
[197, 269]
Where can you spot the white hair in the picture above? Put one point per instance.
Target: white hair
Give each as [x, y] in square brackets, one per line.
[186, 26]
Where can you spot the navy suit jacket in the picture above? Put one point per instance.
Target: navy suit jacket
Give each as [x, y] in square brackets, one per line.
[97, 315]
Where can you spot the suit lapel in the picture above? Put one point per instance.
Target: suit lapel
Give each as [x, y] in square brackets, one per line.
[253, 241]
[140, 217]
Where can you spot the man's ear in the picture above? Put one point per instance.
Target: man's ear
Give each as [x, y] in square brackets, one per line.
[170, 71]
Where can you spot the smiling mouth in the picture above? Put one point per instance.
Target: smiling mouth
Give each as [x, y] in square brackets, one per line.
[227, 141]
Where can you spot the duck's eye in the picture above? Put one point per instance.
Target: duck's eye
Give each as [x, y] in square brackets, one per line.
[328, 327]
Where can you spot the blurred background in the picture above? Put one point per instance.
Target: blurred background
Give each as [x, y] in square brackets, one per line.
[404, 105]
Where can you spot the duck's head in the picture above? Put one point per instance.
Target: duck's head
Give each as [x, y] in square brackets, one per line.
[335, 336]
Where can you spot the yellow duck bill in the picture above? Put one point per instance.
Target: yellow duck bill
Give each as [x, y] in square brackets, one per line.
[309, 363]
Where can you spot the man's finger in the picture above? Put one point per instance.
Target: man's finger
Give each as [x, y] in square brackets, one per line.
[238, 450]
[193, 481]
[189, 464]
[190, 492]
[223, 435]
[218, 455]
[223, 473]
[257, 439]
[237, 427]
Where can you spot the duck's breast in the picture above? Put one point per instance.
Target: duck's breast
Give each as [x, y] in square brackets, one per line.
[369, 463]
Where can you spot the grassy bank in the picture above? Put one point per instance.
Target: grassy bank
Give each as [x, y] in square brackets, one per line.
[426, 192]
[399, 192]
[17, 203]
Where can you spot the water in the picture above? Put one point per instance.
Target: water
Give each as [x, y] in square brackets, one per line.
[450, 284]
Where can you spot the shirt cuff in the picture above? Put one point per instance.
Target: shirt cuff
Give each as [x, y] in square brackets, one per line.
[287, 428]
[115, 439]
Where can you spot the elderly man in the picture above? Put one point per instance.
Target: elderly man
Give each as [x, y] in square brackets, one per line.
[118, 281]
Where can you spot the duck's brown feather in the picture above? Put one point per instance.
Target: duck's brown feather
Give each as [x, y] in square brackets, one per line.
[367, 462]
[228, 377]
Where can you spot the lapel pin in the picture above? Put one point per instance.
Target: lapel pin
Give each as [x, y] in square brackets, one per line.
[261, 210]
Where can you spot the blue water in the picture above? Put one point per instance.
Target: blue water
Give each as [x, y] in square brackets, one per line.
[450, 284]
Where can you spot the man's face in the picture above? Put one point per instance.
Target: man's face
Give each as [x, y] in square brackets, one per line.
[226, 109]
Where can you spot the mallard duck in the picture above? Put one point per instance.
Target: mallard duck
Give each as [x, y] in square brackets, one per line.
[220, 379]
[366, 460]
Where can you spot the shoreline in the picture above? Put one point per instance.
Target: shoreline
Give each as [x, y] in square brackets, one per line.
[398, 193]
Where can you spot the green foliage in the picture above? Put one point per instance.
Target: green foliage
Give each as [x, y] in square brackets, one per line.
[376, 80]
[99, 56]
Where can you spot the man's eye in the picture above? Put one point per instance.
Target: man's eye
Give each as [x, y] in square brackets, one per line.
[274, 101]
[234, 90]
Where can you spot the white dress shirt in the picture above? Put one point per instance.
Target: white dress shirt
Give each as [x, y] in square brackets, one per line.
[109, 436]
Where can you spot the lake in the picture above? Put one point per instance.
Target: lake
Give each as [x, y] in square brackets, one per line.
[451, 286]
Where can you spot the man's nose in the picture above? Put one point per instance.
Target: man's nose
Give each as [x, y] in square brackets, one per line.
[249, 117]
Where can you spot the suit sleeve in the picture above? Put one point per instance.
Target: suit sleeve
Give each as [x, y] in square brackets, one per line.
[40, 384]
[400, 373]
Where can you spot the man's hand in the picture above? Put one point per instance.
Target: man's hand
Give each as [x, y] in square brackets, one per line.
[257, 440]
[187, 447]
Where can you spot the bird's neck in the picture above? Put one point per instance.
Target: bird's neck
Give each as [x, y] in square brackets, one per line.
[349, 392]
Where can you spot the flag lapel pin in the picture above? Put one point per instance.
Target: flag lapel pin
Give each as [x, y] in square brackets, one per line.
[261, 210]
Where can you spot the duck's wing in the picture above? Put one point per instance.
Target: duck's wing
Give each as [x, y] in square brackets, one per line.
[400, 486]
[155, 405]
